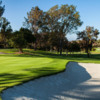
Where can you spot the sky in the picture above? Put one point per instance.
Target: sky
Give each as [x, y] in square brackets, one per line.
[16, 10]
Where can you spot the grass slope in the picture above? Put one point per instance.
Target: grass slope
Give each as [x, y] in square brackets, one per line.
[16, 69]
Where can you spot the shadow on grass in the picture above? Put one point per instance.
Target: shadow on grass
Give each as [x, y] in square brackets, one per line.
[6, 79]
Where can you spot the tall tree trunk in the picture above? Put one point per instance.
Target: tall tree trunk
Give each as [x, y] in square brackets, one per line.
[35, 46]
[35, 43]
[87, 49]
[88, 54]
[4, 41]
[66, 52]
[60, 47]
[32, 45]
[4, 45]
[20, 50]
[51, 48]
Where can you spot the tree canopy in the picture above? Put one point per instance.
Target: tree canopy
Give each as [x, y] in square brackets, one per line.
[2, 8]
[89, 35]
[59, 20]
[5, 31]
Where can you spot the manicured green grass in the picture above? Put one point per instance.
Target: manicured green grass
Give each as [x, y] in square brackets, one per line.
[8, 50]
[18, 68]
[97, 51]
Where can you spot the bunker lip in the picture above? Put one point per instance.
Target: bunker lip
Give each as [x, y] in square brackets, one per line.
[79, 81]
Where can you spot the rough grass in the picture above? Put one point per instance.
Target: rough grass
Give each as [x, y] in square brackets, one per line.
[18, 68]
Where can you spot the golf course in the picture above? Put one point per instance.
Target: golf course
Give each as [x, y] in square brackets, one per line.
[49, 50]
[15, 69]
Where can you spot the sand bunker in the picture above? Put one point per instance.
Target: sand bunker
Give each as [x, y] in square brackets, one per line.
[80, 81]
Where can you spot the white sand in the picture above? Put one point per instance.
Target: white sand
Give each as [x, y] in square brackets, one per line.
[80, 81]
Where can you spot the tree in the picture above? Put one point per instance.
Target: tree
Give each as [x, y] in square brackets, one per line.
[89, 35]
[97, 43]
[2, 8]
[54, 42]
[34, 21]
[64, 20]
[22, 38]
[1, 13]
[5, 31]
[59, 20]
[28, 36]
[43, 41]
[18, 41]
[53, 18]
[73, 47]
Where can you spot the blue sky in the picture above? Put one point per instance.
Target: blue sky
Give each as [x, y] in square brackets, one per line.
[16, 10]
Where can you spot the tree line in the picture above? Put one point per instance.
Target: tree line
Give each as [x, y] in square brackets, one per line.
[48, 31]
